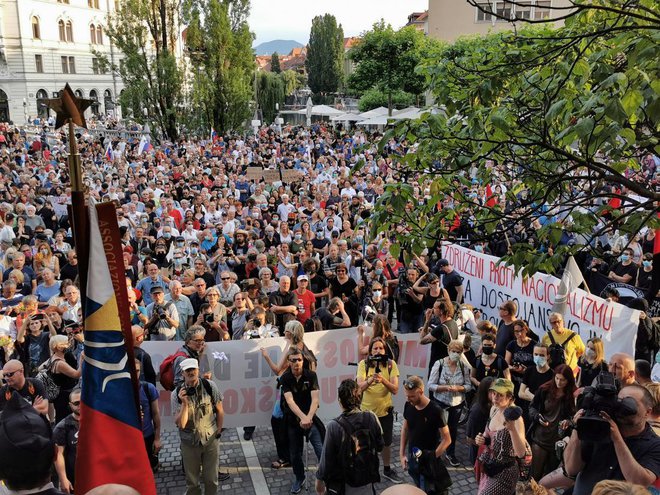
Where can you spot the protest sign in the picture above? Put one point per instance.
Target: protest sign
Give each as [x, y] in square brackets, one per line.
[488, 283]
[248, 384]
[254, 173]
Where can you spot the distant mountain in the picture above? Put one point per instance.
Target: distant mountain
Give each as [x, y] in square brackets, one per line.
[282, 47]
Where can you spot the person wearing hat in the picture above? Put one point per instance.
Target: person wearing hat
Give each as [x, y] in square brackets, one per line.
[450, 280]
[423, 428]
[198, 414]
[504, 437]
[163, 316]
[27, 449]
[306, 299]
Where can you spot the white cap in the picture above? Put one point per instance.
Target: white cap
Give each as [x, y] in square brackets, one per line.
[303, 277]
[189, 363]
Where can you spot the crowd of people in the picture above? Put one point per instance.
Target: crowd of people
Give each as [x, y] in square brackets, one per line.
[211, 255]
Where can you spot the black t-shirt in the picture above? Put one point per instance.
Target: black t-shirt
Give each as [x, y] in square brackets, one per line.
[601, 462]
[443, 333]
[317, 283]
[521, 355]
[32, 389]
[301, 389]
[423, 425]
[65, 434]
[451, 281]
[69, 271]
[589, 372]
[496, 369]
[503, 337]
[620, 269]
[533, 379]
[328, 320]
[476, 422]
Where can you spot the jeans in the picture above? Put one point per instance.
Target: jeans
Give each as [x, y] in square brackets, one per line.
[454, 414]
[297, 438]
[411, 323]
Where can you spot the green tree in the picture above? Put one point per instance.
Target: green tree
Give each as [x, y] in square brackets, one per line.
[374, 98]
[146, 33]
[325, 54]
[565, 116]
[292, 81]
[219, 44]
[270, 91]
[275, 63]
[386, 60]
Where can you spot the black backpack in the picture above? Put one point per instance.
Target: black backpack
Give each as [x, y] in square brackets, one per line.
[556, 351]
[313, 324]
[360, 459]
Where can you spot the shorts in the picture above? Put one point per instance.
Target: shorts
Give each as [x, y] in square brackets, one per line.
[387, 425]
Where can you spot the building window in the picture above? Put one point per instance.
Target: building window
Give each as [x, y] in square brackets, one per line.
[36, 30]
[92, 34]
[72, 65]
[93, 4]
[99, 35]
[69, 32]
[484, 12]
[505, 10]
[542, 9]
[60, 26]
[68, 65]
[95, 65]
[524, 10]
[39, 63]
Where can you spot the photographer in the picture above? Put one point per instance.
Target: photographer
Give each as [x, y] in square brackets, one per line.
[163, 316]
[257, 327]
[216, 330]
[197, 406]
[410, 310]
[378, 380]
[631, 454]
[239, 315]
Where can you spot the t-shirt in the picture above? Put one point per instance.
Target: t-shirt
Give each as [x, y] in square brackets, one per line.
[620, 269]
[601, 462]
[38, 350]
[377, 398]
[301, 390]
[451, 281]
[521, 355]
[533, 379]
[423, 425]
[148, 394]
[572, 350]
[305, 302]
[65, 434]
[32, 389]
[503, 337]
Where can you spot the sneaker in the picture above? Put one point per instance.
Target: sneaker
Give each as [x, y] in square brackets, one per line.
[222, 476]
[297, 486]
[453, 462]
[391, 475]
[247, 435]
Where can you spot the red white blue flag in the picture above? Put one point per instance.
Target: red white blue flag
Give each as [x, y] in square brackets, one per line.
[109, 153]
[110, 444]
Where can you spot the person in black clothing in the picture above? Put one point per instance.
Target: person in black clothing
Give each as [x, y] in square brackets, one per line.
[624, 270]
[65, 436]
[147, 372]
[70, 270]
[27, 449]
[489, 363]
[438, 330]
[300, 401]
[507, 310]
[284, 303]
[334, 316]
[451, 280]
[411, 315]
[478, 417]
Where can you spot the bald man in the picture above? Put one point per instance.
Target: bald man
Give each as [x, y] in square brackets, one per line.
[622, 366]
[31, 389]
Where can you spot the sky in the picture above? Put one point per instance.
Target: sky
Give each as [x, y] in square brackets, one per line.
[292, 19]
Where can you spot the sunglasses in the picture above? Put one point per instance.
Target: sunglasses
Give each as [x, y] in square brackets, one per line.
[295, 360]
[76, 403]
[225, 278]
[410, 384]
[9, 374]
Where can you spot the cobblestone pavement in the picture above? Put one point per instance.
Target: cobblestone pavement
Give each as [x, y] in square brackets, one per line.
[248, 463]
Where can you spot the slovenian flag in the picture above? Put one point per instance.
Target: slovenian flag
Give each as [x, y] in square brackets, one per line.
[109, 153]
[214, 135]
[145, 145]
[110, 444]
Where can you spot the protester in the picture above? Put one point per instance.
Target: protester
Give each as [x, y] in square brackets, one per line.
[150, 416]
[592, 362]
[29, 389]
[570, 342]
[65, 436]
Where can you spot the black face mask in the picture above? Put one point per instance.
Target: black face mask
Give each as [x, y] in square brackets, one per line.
[488, 350]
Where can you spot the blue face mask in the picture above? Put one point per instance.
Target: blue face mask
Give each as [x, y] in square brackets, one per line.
[647, 264]
[479, 248]
[167, 235]
[540, 361]
[624, 257]
[379, 271]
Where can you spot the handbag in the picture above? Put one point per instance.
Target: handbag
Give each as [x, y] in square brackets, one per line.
[45, 376]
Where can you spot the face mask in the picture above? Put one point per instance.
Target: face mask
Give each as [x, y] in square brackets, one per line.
[178, 261]
[590, 353]
[270, 234]
[167, 235]
[319, 235]
[378, 271]
[540, 361]
[180, 244]
[157, 225]
[454, 356]
[142, 257]
[479, 248]
[44, 252]
[276, 219]
[488, 350]
[194, 251]
[647, 264]
[209, 238]
[359, 240]
[298, 237]
[625, 257]
[378, 293]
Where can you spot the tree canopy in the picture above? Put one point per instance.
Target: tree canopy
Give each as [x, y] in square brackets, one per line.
[385, 61]
[325, 54]
[275, 63]
[270, 91]
[145, 32]
[219, 44]
[566, 118]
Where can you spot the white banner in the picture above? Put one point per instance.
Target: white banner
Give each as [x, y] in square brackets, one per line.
[248, 384]
[487, 284]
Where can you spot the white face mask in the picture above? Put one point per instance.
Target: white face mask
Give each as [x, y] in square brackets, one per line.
[378, 293]
[454, 356]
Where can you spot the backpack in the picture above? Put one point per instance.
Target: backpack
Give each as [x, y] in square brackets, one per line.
[556, 351]
[360, 459]
[313, 324]
[393, 348]
[45, 376]
[167, 370]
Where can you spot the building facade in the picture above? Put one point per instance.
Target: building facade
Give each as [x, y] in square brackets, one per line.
[45, 44]
[449, 19]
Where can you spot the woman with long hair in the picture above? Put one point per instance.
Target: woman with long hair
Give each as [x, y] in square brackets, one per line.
[592, 362]
[381, 329]
[45, 259]
[551, 410]
[378, 381]
[478, 417]
[65, 372]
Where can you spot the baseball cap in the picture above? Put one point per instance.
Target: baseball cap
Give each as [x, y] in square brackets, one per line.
[188, 364]
[443, 262]
[502, 386]
[155, 289]
[303, 277]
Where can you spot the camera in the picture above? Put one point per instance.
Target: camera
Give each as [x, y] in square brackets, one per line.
[377, 361]
[160, 311]
[209, 317]
[602, 396]
[252, 257]
[368, 313]
[190, 391]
